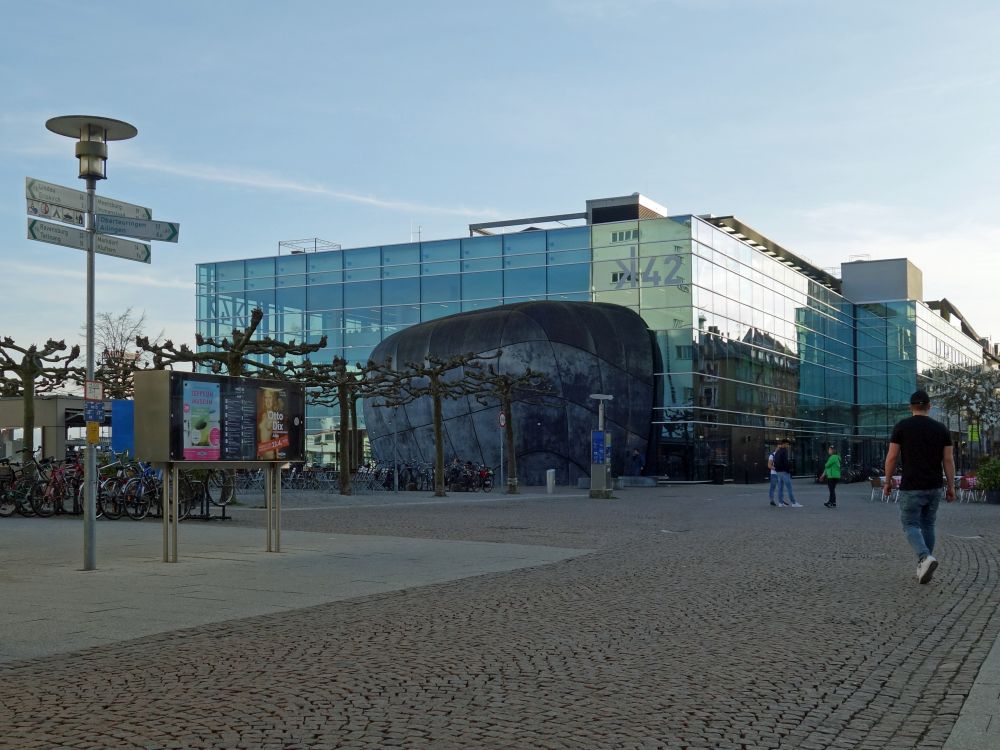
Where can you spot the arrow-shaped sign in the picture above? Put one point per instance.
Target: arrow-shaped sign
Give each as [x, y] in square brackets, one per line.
[56, 234]
[122, 248]
[164, 231]
[39, 190]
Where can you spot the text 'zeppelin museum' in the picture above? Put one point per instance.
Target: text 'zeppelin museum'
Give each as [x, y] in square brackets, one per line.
[714, 340]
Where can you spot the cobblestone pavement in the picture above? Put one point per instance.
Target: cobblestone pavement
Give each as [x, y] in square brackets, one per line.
[705, 619]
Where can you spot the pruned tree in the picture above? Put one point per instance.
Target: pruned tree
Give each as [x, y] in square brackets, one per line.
[339, 384]
[506, 388]
[969, 392]
[240, 355]
[439, 378]
[30, 370]
[116, 353]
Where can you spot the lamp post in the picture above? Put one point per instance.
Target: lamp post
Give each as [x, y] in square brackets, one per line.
[600, 452]
[92, 134]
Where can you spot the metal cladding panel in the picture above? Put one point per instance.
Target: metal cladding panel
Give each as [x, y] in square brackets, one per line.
[152, 415]
[583, 347]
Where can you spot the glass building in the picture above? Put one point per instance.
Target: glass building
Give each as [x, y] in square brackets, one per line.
[755, 343]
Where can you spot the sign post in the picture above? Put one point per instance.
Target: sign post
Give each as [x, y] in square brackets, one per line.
[600, 452]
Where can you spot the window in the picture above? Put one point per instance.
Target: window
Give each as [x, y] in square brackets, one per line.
[627, 235]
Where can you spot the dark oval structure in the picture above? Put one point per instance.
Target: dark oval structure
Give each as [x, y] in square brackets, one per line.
[583, 348]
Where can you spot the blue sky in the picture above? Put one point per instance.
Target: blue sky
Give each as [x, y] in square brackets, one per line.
[837, 128]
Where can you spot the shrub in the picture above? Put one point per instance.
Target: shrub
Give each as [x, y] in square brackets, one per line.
[988, 475]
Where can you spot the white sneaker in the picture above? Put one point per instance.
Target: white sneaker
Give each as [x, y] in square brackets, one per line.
[796, 505]
[925, 570]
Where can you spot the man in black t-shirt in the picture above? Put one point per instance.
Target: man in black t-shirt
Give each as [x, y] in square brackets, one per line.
[926, 451]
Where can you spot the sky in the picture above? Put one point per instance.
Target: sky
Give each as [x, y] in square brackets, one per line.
[838, 128]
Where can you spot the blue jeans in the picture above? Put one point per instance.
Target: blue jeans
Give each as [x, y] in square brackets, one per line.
[785, 480]
[918, 512]
[774, 485]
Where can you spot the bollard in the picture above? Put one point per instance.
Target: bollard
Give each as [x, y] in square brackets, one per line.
[550, 481]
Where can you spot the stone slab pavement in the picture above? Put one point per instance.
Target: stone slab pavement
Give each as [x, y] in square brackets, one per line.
[674, 617]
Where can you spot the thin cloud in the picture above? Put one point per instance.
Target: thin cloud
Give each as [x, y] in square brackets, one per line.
[130, 279]
[261, 181]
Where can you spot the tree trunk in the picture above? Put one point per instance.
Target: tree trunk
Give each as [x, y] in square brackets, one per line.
[355, 442]
[28, 442]
[438, 449]
[505, 405]
[345, 465]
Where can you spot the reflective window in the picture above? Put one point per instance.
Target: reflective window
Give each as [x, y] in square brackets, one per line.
[568, 245]
[440, 288]
[401, 291]
[482, 254]
[398, 315]
[288, 264]
[229, 270]
[362, 264]
[401, 260]
[441, 257]
[322, 262]
[563, 279]
[524, 249]
[482, 285]
[524, 282]
[438, 310]
[362, 293]
[325, 296]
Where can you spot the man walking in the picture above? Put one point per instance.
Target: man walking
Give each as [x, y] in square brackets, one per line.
[783, 467]
[924, 445]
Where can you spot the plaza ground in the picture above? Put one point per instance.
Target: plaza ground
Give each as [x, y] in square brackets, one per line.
[689, 616]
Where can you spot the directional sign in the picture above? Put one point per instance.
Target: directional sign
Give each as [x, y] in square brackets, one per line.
[44, 210]
[122, 248]
[44, 231]
[93, 411]
[164, 231]
[49, 193]
[104, 205]
[46, 192]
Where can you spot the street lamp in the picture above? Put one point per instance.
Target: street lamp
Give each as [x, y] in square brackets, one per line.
[92, 134]
[600, 452]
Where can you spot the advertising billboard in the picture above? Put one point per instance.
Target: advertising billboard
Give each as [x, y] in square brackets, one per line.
[183, 416]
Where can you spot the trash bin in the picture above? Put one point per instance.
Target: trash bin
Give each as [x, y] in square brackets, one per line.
[718, 473]
[550, 481]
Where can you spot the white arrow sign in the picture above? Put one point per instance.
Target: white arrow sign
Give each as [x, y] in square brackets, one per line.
[63, 196]
[104, 205]
[49, 193]
[164, 231]
[44, 210]
[56, 234]
[122, 248]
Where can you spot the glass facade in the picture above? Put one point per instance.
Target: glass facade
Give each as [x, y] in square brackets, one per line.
[751, 348]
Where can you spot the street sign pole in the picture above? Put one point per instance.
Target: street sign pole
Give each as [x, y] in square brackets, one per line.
[90, 454]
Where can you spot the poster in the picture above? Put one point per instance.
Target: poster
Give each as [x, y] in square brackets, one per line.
[272, 425]
[201, 436]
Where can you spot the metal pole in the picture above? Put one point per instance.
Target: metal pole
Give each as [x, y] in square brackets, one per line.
[90, 454]
[502, 435]
[168, 488]
[395, 463]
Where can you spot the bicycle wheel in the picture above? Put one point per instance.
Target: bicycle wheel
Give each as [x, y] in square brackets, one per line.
[22, 498]
[487, 483]
[221, 487]
[109, 499]
[42, 499]
[135, 499]
[7, 504]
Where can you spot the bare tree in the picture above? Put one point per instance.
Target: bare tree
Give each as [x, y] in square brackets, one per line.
[438, 378]
[30, 370]
[115, 350]
[506, 387]
[240, 355]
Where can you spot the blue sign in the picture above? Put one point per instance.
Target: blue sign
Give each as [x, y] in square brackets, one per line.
[123, 426]
[596, 447]
[93, 411]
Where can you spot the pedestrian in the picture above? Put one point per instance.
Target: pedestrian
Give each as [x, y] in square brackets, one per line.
[831, 474]
[924, 447]
[783, 465]
[636, 462]
[774, 478]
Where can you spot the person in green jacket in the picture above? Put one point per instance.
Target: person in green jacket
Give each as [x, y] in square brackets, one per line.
[831, 473]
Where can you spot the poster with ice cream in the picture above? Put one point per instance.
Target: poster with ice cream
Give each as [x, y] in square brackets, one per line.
[202, 435]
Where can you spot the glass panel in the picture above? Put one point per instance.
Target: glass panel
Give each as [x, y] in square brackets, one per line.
[206, 273]
[401, 291]
[482, 253]
[293, 299]
[482, 285]
[400, 260]
[207, 306]
[229, 270]
[440, 288]
[564, 279]
[362, 293]
[320, 262]
[524, 282]
[438, 310]
[479, 304]
[362, 264]
[227, 287]
[325, 296]
[440, 257]
[261, 282]
[568, 245]
[257, 267]
[288, 264]
[521, 250]
[362, 317]
[395, 315]
[291, 280]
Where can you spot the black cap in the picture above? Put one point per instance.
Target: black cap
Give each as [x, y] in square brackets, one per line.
[920, 397]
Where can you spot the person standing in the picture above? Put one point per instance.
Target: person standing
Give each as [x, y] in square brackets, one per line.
[924, 446]
[636, 463]
[774, 480]
[831, 474]
[783, 465]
